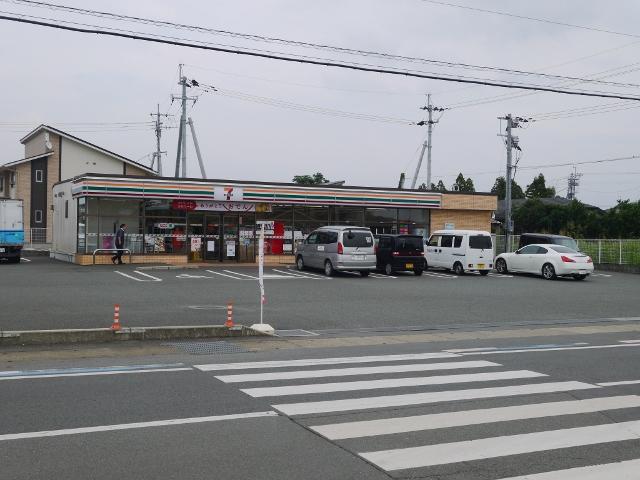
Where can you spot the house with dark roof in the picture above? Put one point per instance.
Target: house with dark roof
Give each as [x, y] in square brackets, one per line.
[51, 156]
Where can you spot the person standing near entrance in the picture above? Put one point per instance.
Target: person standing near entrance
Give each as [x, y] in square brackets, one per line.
[119, 244]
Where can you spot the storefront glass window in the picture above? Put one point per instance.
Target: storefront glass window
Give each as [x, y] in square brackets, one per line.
[380, 215]
[311, 214]
[347, 215]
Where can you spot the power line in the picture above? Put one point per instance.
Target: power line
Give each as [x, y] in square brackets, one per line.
[606, 160]
[297, 43]
[533, 19]
[326, 63]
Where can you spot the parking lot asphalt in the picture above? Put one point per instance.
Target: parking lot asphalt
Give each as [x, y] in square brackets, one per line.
[46, 294]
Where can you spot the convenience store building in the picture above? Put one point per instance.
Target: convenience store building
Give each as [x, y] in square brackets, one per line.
[189, 220]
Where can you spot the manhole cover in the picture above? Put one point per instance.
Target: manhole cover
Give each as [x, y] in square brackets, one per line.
[295, 333]
[207, 348]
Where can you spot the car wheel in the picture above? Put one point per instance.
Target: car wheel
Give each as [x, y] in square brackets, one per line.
[458, 269]
[364, 273]
[388, 269]
[579, 277]
[417, 272]
[548, 272]
[501, 266]
[300, 263]
[328, 269]
[484, 273]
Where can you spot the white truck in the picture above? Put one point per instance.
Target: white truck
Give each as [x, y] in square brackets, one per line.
[11, 229]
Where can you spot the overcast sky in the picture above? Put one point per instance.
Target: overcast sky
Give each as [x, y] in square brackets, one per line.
[60, 78]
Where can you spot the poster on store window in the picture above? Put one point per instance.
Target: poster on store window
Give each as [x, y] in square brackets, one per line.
[211, 245]
[196, 244]
[231, 249]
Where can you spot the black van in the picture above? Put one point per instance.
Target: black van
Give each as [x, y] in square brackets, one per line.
[400, 253]
[547, 239]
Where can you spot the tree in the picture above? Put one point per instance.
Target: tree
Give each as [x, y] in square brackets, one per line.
[464, 185]
[423, 186]
[439, 187]
[500, 188]
[315, 179]
[538, 189]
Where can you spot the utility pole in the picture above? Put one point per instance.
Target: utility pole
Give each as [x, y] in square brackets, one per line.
[195, 143]
[511, 142]
[157, 155]
[181, 154]
[574, 182]
[427, 143]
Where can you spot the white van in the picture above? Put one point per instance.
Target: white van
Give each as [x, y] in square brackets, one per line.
[460, 251]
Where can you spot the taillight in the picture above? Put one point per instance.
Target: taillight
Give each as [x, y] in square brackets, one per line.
[395, 254]
[340, 248]
[375, 249]
[589, 260]
[566, 259]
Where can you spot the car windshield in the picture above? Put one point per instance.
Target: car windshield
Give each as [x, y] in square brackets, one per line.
[562, 249]
[409, 243]
[480, 242]
[357, 238]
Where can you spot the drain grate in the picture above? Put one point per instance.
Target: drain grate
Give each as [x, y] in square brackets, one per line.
[295, 333]
[207, 348]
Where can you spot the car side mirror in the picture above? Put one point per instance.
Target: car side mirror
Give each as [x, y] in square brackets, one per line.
[517, 252]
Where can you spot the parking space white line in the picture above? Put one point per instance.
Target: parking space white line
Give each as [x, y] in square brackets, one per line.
[304, 272]
[90, 374]
[447, 453]
[500, 275]
[154, 279]
[130, 426]
[618, 470]
[552, 349]
[388, 426]
[388, 383]
[624, 382]
[601, 275]
[22, 259]
[309, 362]
[241, 274]
[377, 275]
[129, 276]
[366, 403]
[436, 275]
[225, 275]
[346, 372]
[290, 273]
[629, 341]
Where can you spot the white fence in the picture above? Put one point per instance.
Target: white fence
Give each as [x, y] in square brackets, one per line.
[617, 251]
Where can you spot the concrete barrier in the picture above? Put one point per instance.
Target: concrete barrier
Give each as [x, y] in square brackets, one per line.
[102, 335]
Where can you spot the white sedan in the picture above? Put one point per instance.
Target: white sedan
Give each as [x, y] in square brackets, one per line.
[550, 261]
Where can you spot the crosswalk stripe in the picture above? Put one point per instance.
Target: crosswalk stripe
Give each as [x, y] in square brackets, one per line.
[553, 349]
[620, 471]
[428, 397]
[388, 383]
[345, 372]
[308, 362]
[388, 426]
[469, 450]
[624, 382]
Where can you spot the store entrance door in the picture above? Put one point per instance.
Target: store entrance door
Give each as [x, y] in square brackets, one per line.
[230, 224]
[211, 244]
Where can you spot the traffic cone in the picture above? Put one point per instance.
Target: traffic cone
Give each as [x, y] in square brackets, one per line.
[229, 322]
[115, 326]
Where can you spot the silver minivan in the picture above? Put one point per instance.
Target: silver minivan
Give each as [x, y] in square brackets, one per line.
[340, 248]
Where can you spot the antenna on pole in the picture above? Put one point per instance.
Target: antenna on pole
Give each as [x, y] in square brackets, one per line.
[427, 143]
[573, 184]
[157, 155]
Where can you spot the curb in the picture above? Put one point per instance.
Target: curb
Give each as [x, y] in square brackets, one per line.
[104, 335]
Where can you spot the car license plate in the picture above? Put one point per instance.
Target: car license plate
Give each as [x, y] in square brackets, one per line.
[408, 265]
[359, 257]
[481, 265]
[2, 250]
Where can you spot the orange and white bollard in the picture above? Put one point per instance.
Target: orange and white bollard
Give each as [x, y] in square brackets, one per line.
[229, 322]
[115, 326]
